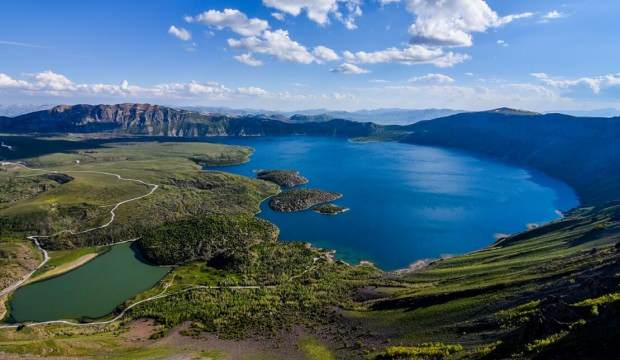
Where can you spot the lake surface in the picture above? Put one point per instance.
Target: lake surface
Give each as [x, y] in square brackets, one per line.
[407, 202]
[90, 291]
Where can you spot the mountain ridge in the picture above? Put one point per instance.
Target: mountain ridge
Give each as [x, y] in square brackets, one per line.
[147, 119]
[580, 151]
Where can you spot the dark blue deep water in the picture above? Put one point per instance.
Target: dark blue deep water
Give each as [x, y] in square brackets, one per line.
[407, 202]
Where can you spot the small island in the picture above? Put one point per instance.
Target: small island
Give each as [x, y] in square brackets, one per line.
[330, 209]
[301, 199]
[284, 178]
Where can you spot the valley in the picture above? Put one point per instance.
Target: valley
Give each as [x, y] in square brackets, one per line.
[214, 263]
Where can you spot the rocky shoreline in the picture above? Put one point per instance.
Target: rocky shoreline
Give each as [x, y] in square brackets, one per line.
[284, 178]
[301, 199]
[330, 209]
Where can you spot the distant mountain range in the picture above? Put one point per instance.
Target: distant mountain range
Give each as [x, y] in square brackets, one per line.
[16, 110]
[145, 119]
[582, 151]
[378, 116]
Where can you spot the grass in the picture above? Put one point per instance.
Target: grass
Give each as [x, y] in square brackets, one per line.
[85, 202]
[314, 350]
[491, 303]
[491, 294]
[62, 261]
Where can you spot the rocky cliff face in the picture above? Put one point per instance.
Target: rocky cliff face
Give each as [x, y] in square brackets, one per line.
[146, 119]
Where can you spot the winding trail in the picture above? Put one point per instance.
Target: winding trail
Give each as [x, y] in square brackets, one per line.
[35, 238]
[161, 295]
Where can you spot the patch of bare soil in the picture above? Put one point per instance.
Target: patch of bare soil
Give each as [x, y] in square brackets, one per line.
[283, 347]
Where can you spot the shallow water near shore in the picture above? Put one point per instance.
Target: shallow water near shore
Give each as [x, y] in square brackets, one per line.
[406, 202]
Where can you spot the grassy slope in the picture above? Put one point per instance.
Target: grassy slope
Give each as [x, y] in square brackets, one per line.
[474, 299]
[525, 296]
[86, 200]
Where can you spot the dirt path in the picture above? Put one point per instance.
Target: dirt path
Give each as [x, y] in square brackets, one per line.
[35, 238]
[161, 295]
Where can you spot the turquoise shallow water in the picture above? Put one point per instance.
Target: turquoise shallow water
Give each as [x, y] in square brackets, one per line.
[407, 202]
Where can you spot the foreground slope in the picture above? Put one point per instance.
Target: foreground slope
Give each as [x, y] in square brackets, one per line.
[551, 292]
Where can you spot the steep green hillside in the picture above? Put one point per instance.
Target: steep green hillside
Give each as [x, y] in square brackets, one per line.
[544, 293]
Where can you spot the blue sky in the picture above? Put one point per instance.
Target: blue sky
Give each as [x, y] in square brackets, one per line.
[294, 54]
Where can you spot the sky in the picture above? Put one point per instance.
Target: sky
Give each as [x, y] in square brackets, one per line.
[299, 54]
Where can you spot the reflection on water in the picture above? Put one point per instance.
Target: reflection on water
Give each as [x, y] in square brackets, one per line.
[407, 202]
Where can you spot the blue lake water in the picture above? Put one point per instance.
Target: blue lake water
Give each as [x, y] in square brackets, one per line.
[407, 202]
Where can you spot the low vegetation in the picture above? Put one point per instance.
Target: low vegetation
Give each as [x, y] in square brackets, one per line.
[301, 199]
[547, 293]
[284, 178]
[220, 239]
[330, 209]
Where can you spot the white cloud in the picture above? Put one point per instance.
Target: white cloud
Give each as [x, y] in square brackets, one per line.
[502, 43]
[50, 80]
[248, 59]
[278, 16]
[233, 19]
[347, 68]
[276, 43]
[252, 90]
[8, 82]
[179, 33]
[21, 44]
[320, 10]
[322, 53]
[53, 84]
[379, 81]
[469, 74]
[452, 22]
[596, 83]
[258, 38]
[414, 54]
[433, 78]
[552, 15]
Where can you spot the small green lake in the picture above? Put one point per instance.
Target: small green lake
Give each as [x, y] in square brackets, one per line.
[90, 291]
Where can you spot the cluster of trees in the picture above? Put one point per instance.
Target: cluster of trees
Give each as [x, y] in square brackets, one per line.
[220, 238]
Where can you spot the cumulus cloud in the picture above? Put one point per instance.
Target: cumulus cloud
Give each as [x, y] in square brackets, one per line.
[552, 15]
[248, 59]
[252, 90]
[257, 37]
[319, 10]
[8, 82]
[276, 43]
[595, 83]
[278, 16]
[179, 33]
[232, 19]
[55, 84]
[452, 22]
[414, 54]
[324, 54]
[347, 68]
[433, 78]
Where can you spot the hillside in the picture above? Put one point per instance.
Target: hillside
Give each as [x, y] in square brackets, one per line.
[583, 152]
[146, 119]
